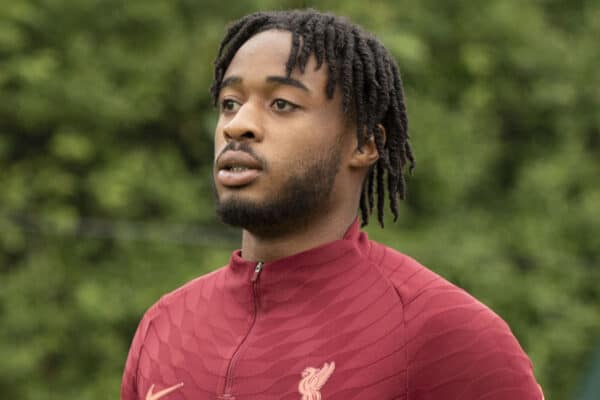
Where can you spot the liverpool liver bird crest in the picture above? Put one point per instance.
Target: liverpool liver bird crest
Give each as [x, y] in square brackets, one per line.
[313, 380]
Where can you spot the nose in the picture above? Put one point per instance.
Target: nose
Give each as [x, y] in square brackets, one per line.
[244, 125]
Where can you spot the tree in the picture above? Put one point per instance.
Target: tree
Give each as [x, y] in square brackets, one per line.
[106, 151]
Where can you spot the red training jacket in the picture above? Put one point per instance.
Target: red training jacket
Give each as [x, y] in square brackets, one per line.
[351, 319]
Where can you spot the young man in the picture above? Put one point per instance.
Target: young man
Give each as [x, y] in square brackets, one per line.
[312, 121]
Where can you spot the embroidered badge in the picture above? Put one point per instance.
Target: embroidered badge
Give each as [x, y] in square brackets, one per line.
[162, 393]
[313, 380]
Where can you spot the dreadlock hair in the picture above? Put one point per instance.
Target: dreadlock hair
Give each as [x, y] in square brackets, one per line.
[367, 75]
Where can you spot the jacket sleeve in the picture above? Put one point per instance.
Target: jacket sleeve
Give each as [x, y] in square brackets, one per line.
[129, 382]
[459, 349]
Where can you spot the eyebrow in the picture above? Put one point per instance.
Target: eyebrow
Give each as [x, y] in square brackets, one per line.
[281, 80]
[230, 81]
[284, 80]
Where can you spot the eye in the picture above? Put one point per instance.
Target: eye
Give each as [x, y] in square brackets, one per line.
[283, 105]
[229, 105]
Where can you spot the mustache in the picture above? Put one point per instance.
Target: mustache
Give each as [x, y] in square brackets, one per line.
[245, 147]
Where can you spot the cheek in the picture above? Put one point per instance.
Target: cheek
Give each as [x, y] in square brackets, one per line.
[292, 160]
[325, 127]
[307, 131]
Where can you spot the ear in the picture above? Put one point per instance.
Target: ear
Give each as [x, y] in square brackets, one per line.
[366, 155]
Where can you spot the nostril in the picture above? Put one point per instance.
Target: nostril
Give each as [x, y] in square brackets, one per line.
[239, 133]
[229, 135]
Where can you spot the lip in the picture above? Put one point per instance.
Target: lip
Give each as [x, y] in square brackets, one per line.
[251, 168]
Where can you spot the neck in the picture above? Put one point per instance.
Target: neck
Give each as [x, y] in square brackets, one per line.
[323, 230]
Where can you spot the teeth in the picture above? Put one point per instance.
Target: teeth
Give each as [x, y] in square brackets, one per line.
[238, 169]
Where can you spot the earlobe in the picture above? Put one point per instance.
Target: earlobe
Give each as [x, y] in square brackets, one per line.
[367, 154]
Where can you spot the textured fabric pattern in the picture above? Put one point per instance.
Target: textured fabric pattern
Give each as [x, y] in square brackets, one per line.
[392, 328]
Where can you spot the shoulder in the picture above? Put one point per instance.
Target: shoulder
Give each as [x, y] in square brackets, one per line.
[188, 293]
[412, 280]
[424, 293]
[457, 347]
[172, 309]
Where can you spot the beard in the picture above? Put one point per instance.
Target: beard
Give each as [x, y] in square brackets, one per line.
[294, 204]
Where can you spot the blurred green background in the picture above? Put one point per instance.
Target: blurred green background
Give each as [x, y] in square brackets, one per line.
[106, 146]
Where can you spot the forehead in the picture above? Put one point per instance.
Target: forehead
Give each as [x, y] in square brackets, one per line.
[266, 54]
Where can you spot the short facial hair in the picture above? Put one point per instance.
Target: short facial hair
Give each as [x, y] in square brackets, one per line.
[291, 206]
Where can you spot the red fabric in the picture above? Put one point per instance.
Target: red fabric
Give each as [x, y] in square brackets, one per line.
[382, 325]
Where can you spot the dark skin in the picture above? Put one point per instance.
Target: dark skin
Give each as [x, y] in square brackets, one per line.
[286, 122]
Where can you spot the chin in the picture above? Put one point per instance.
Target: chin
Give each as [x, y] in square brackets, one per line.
[238, 195]
[262, 218]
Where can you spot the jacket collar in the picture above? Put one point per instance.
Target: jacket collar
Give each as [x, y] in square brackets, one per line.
[353, 245]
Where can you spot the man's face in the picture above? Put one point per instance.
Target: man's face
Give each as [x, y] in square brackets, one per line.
[278, 142]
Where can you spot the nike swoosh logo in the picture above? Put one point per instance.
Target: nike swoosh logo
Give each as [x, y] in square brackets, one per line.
[162, 393]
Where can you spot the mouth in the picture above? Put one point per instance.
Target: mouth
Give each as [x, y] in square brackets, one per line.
[237, 168]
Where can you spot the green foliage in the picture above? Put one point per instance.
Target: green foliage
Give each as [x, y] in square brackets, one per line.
[105, 155]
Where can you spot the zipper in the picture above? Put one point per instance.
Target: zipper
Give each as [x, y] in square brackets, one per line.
[257, 270]
[236, 354]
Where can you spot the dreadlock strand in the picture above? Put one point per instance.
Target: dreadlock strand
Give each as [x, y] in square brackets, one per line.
[380, 144]
[380, 191]
[371, 81]
[359, 102]
[348, 71]
[293, 58]
[400, 101]
[364, 210]
[410, 156]
[319, 37]
[331, 61]
[402, 187]
[370, 185]
[381, 166]
[396, 157]
[393, 194]
[382, 78]
[307, 44]
[405, 145]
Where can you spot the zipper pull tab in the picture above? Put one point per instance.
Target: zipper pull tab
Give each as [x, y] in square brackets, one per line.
[257, 270]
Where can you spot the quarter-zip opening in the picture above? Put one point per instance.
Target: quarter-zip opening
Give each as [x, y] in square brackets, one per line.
[234, 358]
[257, 270]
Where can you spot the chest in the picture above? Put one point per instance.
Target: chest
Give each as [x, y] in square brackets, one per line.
[278, 346]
